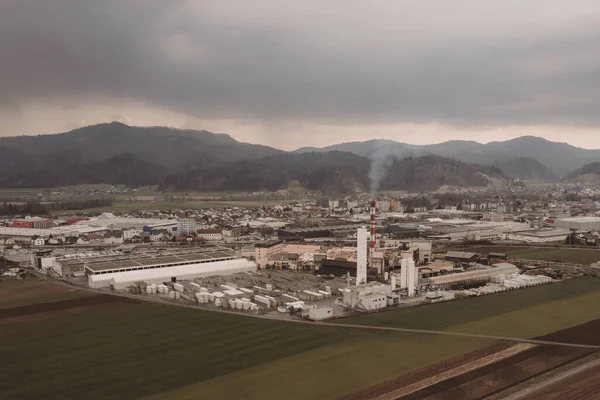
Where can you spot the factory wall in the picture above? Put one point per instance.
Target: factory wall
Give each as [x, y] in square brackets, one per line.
[121, 280]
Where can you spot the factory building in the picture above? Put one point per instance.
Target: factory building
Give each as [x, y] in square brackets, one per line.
[462, 257]
[579, 223]
[122, 280]
[370, 296]
[417, 249]
[472, 276]
[317, 232]
[540, 235]
[33, 223]
[264, 251]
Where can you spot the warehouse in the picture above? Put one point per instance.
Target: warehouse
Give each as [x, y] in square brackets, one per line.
[473, 276]
[461, 257]
[121, 280]
[579, 223]
[544, 235]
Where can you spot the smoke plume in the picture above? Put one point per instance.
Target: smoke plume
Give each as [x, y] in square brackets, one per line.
[381, 159]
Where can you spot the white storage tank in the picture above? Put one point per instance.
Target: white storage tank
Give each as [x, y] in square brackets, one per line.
[232, 303]
[218, 302]
[239, 304]
[171, 294]
[211, 297]
[246, 305]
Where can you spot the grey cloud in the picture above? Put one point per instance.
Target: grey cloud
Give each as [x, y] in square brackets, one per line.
[331, 63]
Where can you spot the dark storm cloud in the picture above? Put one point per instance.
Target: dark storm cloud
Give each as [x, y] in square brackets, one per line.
[331, 62]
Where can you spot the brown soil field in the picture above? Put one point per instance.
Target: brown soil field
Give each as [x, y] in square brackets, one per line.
[487, 249]
[494, 377]
[582, 386]
[16, 293]
[36, 312]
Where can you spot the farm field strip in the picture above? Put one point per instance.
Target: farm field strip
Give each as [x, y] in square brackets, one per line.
[17, 293]
[567, 255]
[149, 350]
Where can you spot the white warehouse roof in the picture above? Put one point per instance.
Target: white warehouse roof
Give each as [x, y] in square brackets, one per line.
[120, 280]
[499, 269]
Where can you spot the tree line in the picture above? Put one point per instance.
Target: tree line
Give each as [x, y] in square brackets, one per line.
[37, 208]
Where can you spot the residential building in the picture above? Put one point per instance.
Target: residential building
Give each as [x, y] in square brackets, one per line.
[128, 234]
[186, 226]
[210, 234]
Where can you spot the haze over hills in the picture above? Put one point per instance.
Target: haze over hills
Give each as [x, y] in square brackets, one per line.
[587, 173]
[334, 172]
[526, 169]
[559, 158]
[187, 159]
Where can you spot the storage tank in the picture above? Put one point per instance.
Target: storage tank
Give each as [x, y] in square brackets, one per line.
[218, 302]
[239, 304]
[177, 295]
[232, 303]
[211, 297]
[171, 294]
[246, 305]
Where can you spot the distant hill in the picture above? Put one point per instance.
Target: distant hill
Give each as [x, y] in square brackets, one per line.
[526, 169]
[429, 173]
[184, 159]
[121, 169]
[333, 173]
[164, 146]
[587, 173]
[559, 158]
[126, 154]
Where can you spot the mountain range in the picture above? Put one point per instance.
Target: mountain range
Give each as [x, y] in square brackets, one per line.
[199, 160]
[558, 159]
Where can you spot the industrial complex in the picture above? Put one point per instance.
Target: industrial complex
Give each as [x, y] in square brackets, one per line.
[364, 272]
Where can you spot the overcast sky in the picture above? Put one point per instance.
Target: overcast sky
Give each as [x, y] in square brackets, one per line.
[291, 74]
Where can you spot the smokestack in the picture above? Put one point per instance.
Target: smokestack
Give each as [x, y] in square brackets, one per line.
[361, 256]
[372, 246]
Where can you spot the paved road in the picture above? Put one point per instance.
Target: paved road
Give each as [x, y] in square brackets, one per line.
[348, 326]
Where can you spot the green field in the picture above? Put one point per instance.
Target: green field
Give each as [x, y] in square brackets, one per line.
[576, 256]
[172, 205]
[522, 313]
[151, 206]
[165, 352]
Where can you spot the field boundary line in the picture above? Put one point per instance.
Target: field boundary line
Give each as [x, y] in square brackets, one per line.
[542, 385]
[457, 371]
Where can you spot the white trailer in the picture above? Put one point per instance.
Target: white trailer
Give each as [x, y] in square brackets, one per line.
[320, 313]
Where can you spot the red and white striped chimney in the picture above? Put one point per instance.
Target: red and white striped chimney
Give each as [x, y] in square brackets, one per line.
[372, 246]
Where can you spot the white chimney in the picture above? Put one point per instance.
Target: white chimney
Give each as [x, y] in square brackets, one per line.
[411, 277]
[361, 255]
[403, 273]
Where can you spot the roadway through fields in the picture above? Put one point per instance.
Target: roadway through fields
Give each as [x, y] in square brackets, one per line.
[348, 326]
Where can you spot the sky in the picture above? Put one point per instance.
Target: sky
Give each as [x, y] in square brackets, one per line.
[290, 74]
